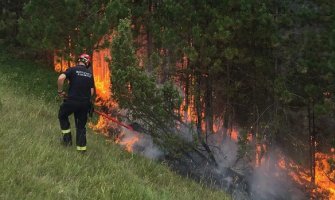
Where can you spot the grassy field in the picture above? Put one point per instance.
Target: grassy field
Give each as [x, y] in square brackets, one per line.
[35, 166]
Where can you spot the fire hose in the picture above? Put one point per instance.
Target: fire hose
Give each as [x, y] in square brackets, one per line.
[114, 120]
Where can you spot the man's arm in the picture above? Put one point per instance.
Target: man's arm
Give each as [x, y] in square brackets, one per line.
[60, 82]
[92, 87]
[92, 92]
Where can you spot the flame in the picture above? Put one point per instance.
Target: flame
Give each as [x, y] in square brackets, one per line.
[61, 64]
[301, 176]
[259, 157]
[187, 113]
[234, 135]
[323, 172]
[101, 126]
[101, 73]
[127, 140]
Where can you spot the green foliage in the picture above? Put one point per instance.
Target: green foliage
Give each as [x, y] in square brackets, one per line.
[16, 71]
[154, 107]
[313, 50]
[72, 26]
[7, 24]
[10, 12]
[281, 90]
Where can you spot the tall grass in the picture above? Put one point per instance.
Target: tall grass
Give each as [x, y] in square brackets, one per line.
[35, 166]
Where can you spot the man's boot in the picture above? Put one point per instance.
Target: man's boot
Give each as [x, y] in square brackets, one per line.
[67, 139]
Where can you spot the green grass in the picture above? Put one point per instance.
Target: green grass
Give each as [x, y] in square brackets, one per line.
[35, 166]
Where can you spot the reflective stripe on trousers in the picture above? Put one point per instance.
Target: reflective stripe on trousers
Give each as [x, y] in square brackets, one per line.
[66, 131]
[81, 148]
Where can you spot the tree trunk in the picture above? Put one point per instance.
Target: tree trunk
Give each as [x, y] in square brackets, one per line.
[226, 113]
[149, 37]
[198, 105]
[166, 66]
[187, 88]
[311, 130]
[208, 106]
[199, 118]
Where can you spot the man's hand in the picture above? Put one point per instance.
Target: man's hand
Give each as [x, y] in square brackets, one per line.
[62, 94]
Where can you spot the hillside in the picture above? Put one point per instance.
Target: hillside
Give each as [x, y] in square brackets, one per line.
[35, 166]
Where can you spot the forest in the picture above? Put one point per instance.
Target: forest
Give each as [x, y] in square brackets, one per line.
[195, 73]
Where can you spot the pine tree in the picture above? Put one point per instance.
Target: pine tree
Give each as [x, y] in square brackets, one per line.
[151, 106]
[11, 11]
[70, 26]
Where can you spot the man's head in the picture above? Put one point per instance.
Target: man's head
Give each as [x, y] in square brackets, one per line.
[84, 59]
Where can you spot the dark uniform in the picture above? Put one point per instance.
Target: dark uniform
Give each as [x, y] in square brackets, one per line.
[78, 102]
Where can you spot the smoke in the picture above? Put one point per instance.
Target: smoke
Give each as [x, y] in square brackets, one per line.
[239, 177]
[185, 132]
[245, 181]
[141, 144]
[268, 181]
[224, 149]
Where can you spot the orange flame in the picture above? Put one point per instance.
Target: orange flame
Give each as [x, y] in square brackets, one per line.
[234, 135]
[128, 141]
[259, 157]
[322, 174]
[101, 73]
[101, 126]
[61, 64]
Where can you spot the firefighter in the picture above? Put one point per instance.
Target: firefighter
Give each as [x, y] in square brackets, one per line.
[77, 100]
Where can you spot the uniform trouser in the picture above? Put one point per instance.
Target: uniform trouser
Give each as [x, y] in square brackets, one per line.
[80, 110]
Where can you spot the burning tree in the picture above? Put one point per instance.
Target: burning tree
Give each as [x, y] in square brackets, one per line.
[152, 106]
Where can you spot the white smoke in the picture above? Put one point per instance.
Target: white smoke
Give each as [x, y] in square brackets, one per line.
[224, 149]
[268, 181]
[143, 144]
[265, 182]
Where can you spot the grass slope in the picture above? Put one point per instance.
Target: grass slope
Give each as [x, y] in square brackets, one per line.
[35, 166]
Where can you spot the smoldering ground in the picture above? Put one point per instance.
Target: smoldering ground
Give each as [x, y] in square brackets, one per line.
[236, 176]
